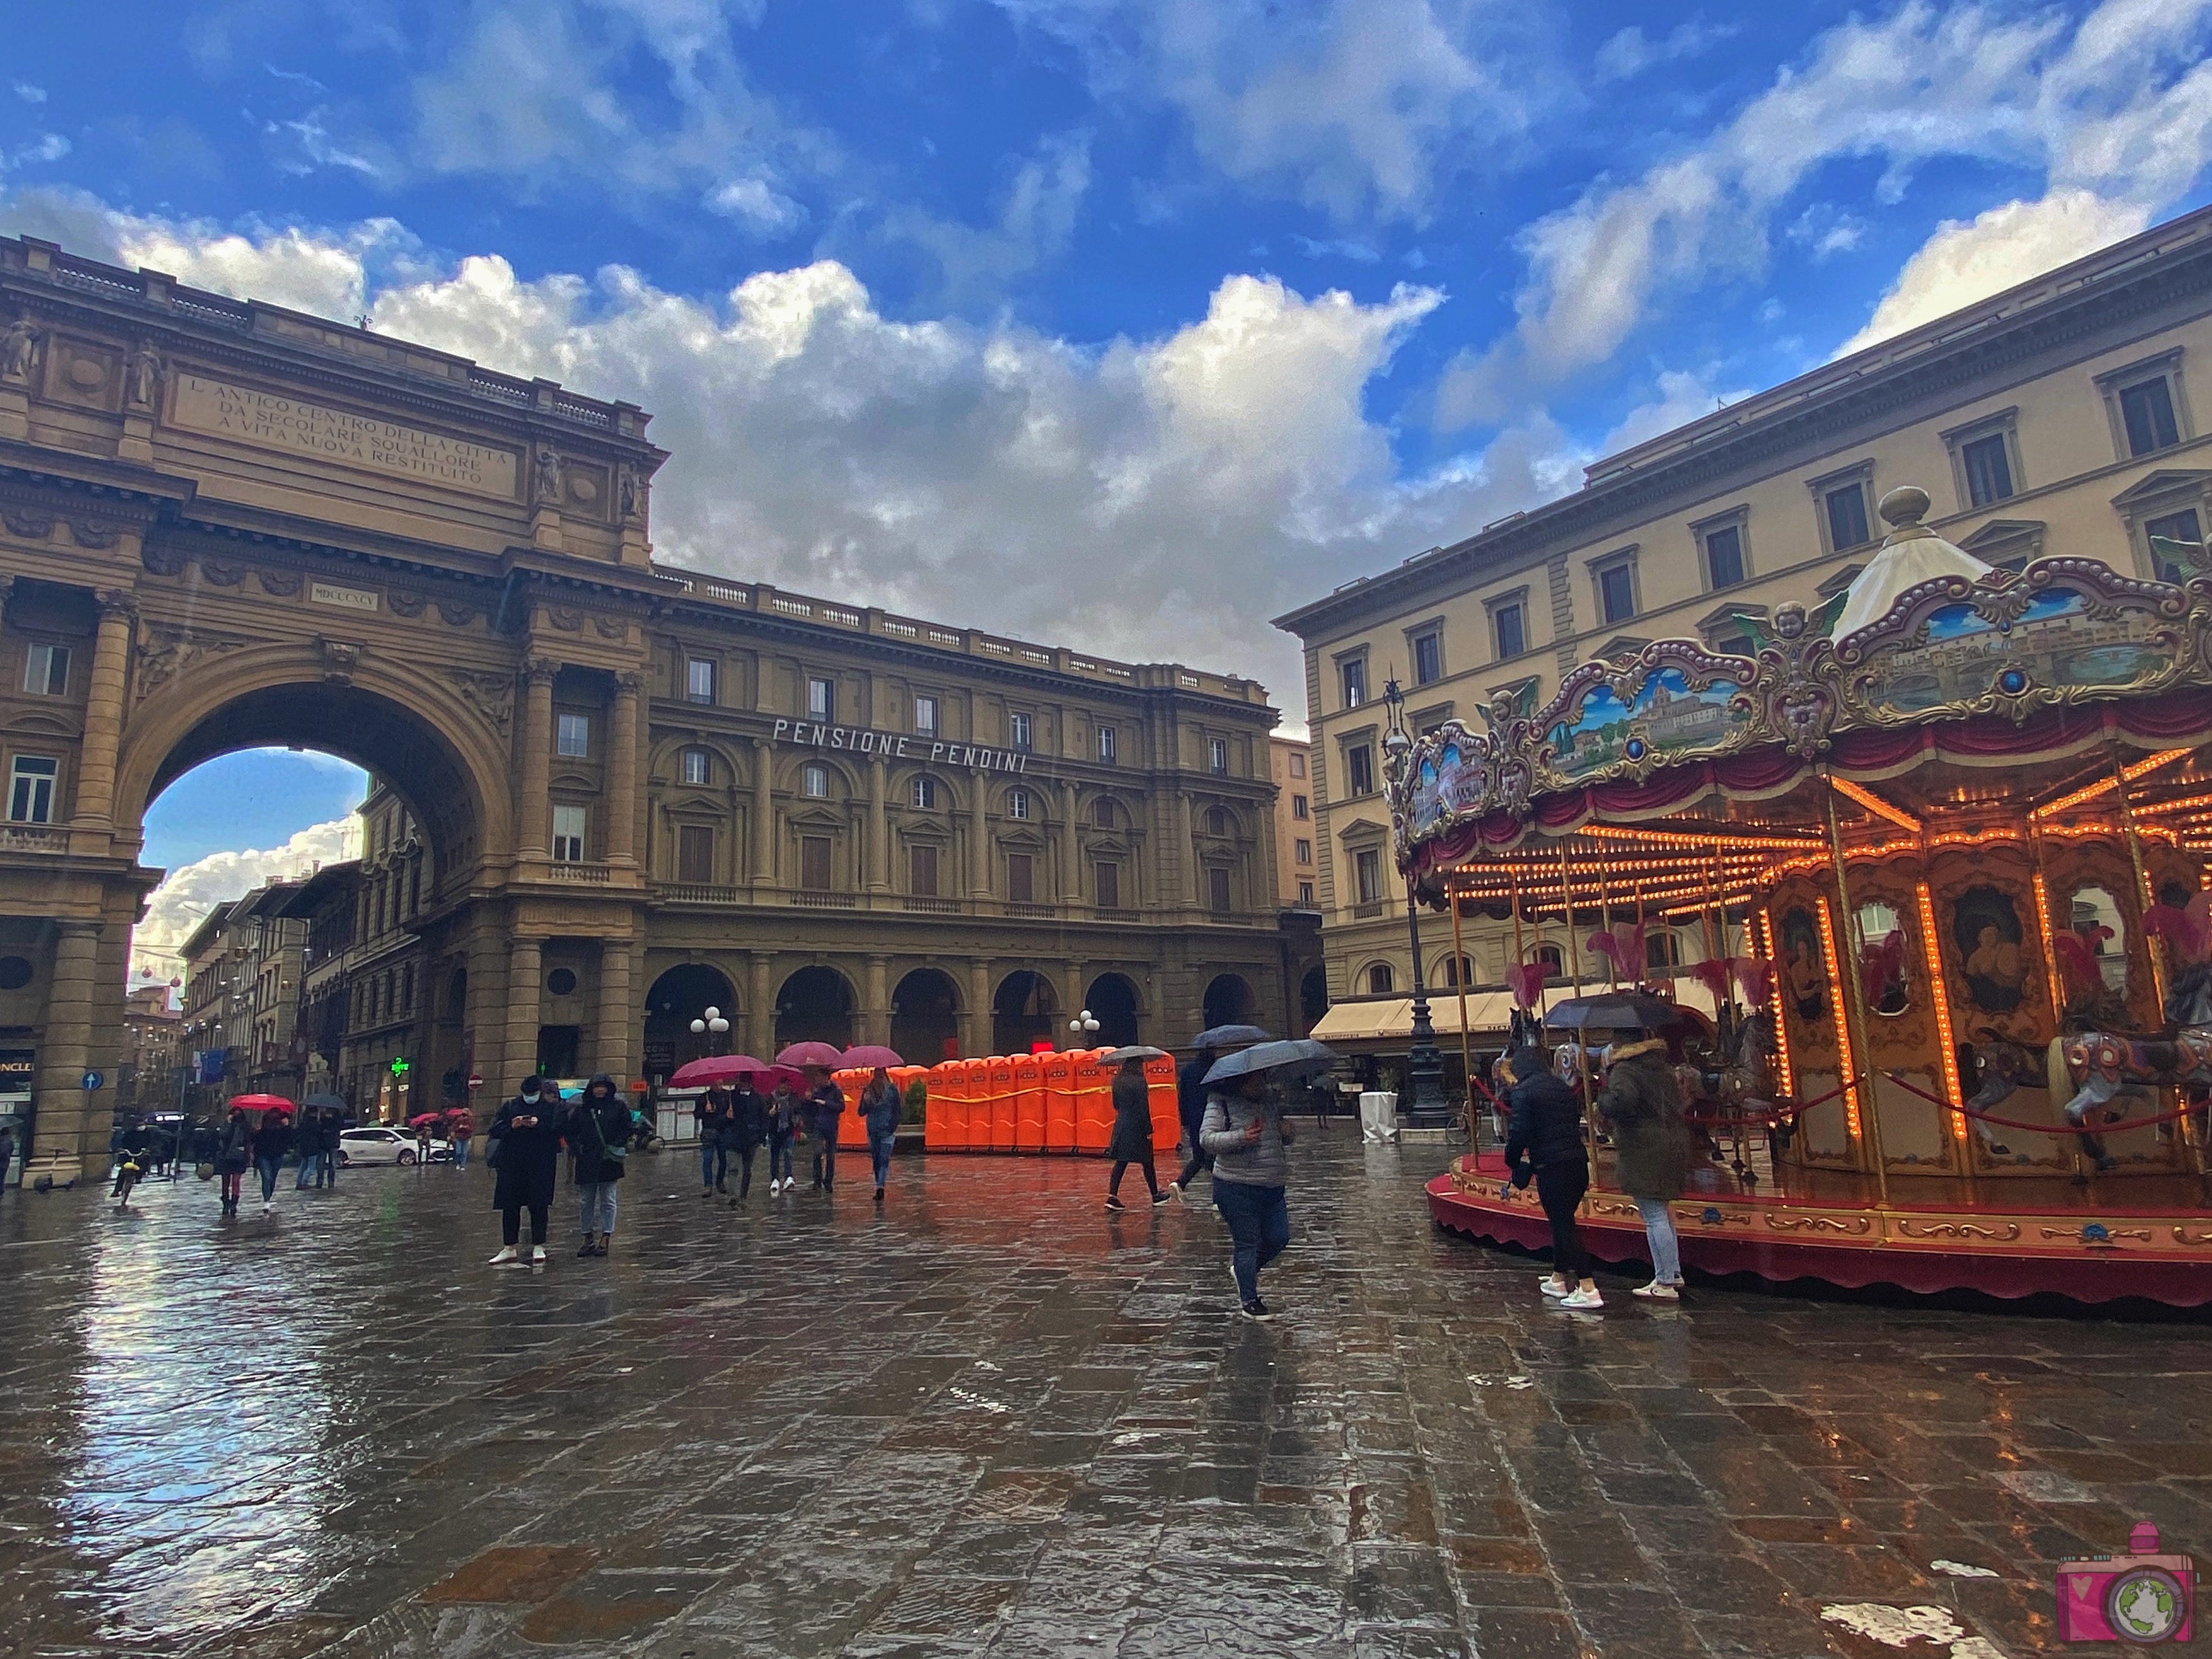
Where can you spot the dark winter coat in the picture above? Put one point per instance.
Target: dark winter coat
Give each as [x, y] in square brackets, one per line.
[596, 1125]
[1652, 1143]
[787, 1114]
[1190, 1096]
[713, 1113]
[748, 1120]
[824, 1108]
[882, 1105]
[236, 1156]
[1133, 1119]
[272, 1139]
[1546, 1127]
[529, 1158]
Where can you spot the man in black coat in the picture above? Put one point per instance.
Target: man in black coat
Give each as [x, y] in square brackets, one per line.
[1545, 1143]
[1190, 1107]
[528, 1131]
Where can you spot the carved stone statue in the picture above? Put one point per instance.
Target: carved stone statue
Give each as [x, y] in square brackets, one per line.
[142, 377]
[19, 351]
[628, 494]
[549, 477]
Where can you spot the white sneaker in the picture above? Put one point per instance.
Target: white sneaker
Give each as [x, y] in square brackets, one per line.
[506, 1254]
[1583, 1299]
[537, 1255]
[268, 1206]
[1655, 1291]
[1553, 1287]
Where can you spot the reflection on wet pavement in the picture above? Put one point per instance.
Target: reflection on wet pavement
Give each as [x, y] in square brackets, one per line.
[994, 1419]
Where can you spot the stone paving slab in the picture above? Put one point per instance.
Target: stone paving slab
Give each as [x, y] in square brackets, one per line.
[994, 1420]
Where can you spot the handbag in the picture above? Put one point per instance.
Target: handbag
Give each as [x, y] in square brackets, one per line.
[204, 1172]
[607, 1154]
[492, 1145]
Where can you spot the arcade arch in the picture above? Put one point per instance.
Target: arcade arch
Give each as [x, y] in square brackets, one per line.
[925, 1017]
[1022, 1013]
[1229, 1001]
[677, 998]
[815, 1005]
[1113, 1001]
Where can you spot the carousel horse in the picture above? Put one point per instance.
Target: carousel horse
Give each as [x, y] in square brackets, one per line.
[2106, 1067]
[2002, 1067]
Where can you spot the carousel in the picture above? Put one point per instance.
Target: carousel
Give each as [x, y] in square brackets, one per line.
[1947, 839]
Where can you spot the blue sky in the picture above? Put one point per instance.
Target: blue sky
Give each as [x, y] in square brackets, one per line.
[1129, 322]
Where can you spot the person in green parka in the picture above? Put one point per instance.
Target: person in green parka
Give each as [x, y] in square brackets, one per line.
[1652, 1143]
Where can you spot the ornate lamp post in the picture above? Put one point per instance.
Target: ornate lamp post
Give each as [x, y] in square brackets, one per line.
[1083, 1029]
[712, 1023]
[1424, 1062]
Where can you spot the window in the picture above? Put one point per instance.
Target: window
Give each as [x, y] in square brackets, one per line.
[1103, 813]
[1298, 764]
[1106, 745]
[1217, 756]
[568, 835]
[45, 670]
[1734, 645]
[1017, 731]
[1428, 657]
[699, 679]
[695, 766]
[1217, 890]
[814, 863]
[821, 699]
[695, 853]
[575, 736]
[1452, 972]
[1300, 808]
[2182, 526]
[1508, 622]
[925, 716]
[1354, 671]
[1018, 803]
[1616, 590]
[1304, 850]
[1988, 468]
[1217, 822]
[814, 780]
[1305, 892]
[922, 871]
[1663, 951]
[1360, 769]
[1379, 980]
[1724, 556]
[1367, 875]
[1106, 884]
[2147, 412]
[31, 790]
[924, 792]
[1554, 965]
[1021, 878]
[1846, 509]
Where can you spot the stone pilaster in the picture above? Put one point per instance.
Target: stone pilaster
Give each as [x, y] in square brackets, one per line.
[762, 873]
[879, 827]
[875, 1002]
[979, 838]
[533, 806]
[760, 1008]
[103, 710]
[525, 977]
[975, 1019]
[619, 1017]
[65, 1116]
[622, 771]
[1071, 848]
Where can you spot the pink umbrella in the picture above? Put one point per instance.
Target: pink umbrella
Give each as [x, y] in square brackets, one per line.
[813, 1054]
[724, 1068]
[868, 1055]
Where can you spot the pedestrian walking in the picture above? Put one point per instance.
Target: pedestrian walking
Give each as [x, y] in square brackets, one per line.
[881, 1107]
[748, 1129]
[270, 1142]
[528, 1131]
[1132, 1140]
[1243, 1129]
[1544, 1142]
[234, 1158]
[825, 1111]
[598, 1133]
[1190, 1107]
[308, 1141]
[785, 1112]
[463, 1130]
[422, 1144]
[7, 1149]
[1643, 1101]
[332, 1136]
[713, 1116]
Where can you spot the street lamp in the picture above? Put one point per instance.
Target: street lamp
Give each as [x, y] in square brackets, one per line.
[1424, 1063]
[1085, 1025]
[711, 1022]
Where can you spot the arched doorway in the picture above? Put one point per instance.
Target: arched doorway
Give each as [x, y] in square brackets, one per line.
[1313, 997]
[1112, 1000]
[1022, 1013]
[925, 1017]
[1228, 1001]
[679, 997]
[815, 1005]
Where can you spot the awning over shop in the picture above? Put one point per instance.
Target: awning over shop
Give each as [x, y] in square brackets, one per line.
[1385, 1021]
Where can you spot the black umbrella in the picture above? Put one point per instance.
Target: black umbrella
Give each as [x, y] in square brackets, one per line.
[1228, 1036]
[1270, 1057]
[1617, 1011]
[320, 1101]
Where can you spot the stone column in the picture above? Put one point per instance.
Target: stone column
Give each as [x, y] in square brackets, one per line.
[533, 806]
[1071, 849]
[1079, 988]
[879, 827]
[979, 839]
[875, 1002]
[763, 819]
[103, 708]
[525, 970]
[622, 771]
[1186, 854]
[487, 1013]
[64, 1110]
[760, 1010]
[975, 1022]
[618, 1015]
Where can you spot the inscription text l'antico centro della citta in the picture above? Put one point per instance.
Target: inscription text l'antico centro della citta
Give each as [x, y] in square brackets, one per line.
[275, 422]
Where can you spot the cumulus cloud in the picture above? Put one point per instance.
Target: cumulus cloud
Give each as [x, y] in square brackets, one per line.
[1628, 53]
[186, 894]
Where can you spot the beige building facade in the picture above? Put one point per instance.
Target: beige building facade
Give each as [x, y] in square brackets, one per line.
[629, 793]
[2058, 417]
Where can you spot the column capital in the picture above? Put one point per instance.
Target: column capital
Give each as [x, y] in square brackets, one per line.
[79, 926]
[540, 670]
[114, 602]
[629, 682]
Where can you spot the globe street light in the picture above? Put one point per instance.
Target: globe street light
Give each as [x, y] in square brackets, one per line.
[711, 1021]
[1085, 1025]
[1424, 1062]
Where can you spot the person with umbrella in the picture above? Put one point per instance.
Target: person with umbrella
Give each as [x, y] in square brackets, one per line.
[528, 1131]
[881, 1107]
[1643, 1101]
[234, 1157]
[1132, 1139]
[270, 1142]
[785, 1112]
[748, 1127]
[1544, 1142]
[713, 1116]
[824, 1105]
[1243, 1129]
[598, 1131]
[461, 1128]
[1191, 1091]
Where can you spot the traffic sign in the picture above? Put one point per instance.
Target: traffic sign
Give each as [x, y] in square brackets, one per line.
[476, 1079]
[94, 1079]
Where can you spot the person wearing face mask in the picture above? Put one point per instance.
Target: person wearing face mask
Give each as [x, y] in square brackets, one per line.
[528, 1131]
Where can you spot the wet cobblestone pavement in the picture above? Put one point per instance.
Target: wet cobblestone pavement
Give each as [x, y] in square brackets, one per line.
[995, 1420]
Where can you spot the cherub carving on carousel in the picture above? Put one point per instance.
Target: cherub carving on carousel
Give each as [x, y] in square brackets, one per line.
[1795, 686]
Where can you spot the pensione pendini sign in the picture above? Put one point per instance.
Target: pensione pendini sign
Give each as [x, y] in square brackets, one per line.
[859, 740]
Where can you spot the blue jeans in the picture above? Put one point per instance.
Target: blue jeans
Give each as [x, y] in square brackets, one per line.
[1260, 1222]
[713, 1163]
[778, 1158]
[879, 1156]
[595, 1206]
[1659, 1233]
[461, 1151]
[309, 1163]
[268, 1167]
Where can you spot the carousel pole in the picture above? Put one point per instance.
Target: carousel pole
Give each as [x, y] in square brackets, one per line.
[1461, 964]
[1574, 958]
[1854, 1009]
[2192, 1153]
[1605, 921]
[1520, 950]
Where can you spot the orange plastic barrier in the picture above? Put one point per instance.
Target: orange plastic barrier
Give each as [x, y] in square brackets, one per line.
[1000, 1075]
[1094, 1103]
[1059, 1103]
[1167, 1120]
[936, 1126]
[849, 1128]
[1029, 1103]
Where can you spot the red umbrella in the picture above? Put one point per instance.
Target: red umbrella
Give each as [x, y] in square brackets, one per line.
[262, 1103]
[728, 1068]
[868, 1055]
[826, 1055]
[421, 1118]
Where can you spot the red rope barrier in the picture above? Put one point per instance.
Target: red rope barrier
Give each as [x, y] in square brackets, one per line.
[1763, 1118]
[2040, 1128]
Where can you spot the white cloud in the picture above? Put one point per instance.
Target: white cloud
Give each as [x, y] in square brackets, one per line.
[1034, 224]
[29, 93]
[46, 146]
[186, 894]
[1825, 230]
[1628, 54]
[757, 205]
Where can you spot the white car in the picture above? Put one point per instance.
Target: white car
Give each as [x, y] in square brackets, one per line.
[377, 1145]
